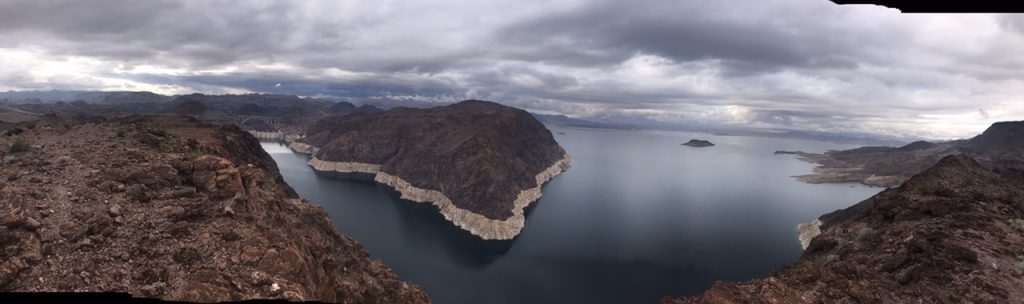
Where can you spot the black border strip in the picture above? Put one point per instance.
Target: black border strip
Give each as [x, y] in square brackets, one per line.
[947, 6]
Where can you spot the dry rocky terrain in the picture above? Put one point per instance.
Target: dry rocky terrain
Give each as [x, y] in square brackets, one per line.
[170, 208]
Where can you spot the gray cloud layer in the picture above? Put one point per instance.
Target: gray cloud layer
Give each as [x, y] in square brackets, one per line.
[803, 63]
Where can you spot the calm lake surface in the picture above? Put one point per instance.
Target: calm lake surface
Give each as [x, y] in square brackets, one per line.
[637, 217]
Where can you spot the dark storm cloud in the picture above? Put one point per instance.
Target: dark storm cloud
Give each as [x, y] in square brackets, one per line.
[777, 62]
[612, 31]
[601, 33]
[191, 34]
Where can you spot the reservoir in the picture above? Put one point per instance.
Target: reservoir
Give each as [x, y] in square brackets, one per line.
[638, 217]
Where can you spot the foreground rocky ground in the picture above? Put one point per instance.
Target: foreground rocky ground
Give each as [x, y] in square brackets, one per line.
[952, 234]
[171, 208]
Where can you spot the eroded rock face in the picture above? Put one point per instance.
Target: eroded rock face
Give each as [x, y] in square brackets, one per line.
[170, 208]
[952, 234]
[479, 162]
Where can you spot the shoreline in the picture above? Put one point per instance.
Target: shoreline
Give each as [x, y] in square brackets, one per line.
[826, 171]
[474, 223]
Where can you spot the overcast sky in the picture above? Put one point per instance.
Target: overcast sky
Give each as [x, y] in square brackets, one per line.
[806, 64]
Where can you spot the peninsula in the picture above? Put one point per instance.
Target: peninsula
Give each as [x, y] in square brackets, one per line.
[479, 162]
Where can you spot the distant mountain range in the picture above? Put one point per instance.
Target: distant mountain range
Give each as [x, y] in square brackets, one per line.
[1000, 147]
[95, 97]
[294, 106]
[635, 123]
[191, 104]
[562, 120]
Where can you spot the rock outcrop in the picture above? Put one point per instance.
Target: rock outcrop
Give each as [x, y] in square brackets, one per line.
[171, 208]
[807, 231]
[479, 162]
[951, 234]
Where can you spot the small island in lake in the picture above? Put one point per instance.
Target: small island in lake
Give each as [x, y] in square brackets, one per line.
[479, 162]
[697, 143]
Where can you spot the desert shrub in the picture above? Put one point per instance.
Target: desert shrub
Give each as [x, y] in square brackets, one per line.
[1017, 223]
[269, 182]
[19, 145]
[926, 189]
[820, 262]
[865, 234]
[64, 159]
[198, 151]
[831, 258]
[121, 131]
[167, 144]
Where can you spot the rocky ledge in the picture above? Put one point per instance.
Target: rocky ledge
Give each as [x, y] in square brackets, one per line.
[479, 162]
[951, 234]
[170, 208]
